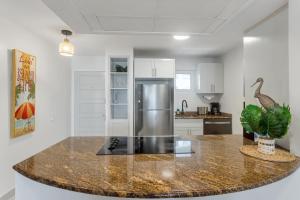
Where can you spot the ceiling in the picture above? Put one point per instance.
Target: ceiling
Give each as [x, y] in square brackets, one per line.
[36, 16]
[215, 25]
[146, 16]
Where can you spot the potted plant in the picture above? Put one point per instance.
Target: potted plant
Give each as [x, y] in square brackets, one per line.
[269, 123]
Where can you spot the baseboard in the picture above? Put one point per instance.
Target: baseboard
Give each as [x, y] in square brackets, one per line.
[9, 195]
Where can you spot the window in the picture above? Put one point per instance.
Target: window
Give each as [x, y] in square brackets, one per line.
[183, 81]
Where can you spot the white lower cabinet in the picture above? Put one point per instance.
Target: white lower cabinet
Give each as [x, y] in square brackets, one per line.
[186, 127]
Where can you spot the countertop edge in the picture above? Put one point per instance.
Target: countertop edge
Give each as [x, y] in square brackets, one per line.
[162, 195]
[194, 115]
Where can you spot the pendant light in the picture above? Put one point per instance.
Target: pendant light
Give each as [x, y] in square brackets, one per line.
[66, 48]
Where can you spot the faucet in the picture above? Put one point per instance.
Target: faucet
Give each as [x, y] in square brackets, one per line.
[186, 105]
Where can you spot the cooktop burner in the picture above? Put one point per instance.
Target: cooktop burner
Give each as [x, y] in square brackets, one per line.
[146, 145]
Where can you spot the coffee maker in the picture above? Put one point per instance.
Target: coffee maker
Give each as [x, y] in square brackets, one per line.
[215, 108]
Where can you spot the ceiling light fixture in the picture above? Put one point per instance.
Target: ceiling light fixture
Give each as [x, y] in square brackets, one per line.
[181, 37]
[66, 48]
[249, 39]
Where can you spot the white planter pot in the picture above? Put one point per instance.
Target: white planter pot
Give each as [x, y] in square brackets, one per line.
[266, 145]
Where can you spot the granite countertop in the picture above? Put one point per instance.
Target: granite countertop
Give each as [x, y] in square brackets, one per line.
[194, 115]
[216, 167]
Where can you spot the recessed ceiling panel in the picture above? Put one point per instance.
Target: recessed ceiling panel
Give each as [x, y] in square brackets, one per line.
[187, 25]
[232, 8]
[93, 23]
[126, 24]
[117, 8]
[147, 16]
[191, 8]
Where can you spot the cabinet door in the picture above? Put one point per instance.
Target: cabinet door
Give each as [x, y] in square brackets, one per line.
[205, 77]
[218, 79]
[144, 68]
[188, 127]
[210, 78]
[164, 68]
[196, 131]
[181, 131]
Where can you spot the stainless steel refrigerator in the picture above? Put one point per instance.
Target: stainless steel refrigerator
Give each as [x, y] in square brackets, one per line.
[154, 107]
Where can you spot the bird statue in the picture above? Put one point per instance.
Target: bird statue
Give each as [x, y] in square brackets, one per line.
[266, 101]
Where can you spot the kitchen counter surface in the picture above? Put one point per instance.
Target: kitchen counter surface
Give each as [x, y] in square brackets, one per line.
[216, 167]
[194, 115]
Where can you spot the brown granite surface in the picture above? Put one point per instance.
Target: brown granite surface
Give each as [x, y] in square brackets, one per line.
[216, 167]
[194, 115]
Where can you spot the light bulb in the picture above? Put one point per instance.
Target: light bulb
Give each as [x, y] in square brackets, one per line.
[66, 48]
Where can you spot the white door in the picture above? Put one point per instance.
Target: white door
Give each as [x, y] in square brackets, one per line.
[164, 68]
[89, 102]
[144, 68]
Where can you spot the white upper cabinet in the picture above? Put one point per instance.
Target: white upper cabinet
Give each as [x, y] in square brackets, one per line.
[210, 78]
[164, 68]
[143, 68]
[154, 68]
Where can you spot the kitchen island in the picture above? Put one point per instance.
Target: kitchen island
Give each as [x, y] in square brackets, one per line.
[72, 170]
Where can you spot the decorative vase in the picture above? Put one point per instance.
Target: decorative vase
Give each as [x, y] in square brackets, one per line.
[266, 145]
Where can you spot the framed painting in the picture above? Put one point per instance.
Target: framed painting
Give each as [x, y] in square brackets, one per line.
[23, 93]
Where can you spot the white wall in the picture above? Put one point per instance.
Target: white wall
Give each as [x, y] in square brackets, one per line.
[232, 99]
[267, 56]
[294, 72]
[52, 98]
[188, 64]
[89, 63]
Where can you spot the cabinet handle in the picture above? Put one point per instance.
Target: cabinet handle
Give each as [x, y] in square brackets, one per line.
[153, 72]
[214, 88]
[211, 87]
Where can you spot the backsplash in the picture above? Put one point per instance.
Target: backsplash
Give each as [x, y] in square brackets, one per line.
[193, 99]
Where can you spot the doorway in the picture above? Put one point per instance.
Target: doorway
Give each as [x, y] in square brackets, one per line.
[89, 103]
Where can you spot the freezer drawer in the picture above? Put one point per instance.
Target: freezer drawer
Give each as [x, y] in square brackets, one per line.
[217, 126]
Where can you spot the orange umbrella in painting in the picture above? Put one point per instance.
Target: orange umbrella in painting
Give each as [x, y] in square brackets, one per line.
[25, 111]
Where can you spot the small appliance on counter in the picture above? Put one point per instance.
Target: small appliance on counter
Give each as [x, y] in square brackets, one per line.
[202, 110]
[215, 108]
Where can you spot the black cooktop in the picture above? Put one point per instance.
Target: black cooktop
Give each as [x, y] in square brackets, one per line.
[146, 145]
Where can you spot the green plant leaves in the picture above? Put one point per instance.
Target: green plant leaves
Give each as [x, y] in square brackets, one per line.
[273, 122]
[278, 121]
[251, 118]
